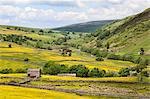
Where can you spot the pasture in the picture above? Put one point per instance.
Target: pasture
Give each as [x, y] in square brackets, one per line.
[14, 57]
[11, 92]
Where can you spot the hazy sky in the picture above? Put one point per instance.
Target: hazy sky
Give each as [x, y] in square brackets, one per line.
[55, 13]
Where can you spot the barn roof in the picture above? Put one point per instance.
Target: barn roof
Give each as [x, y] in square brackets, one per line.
[36, 70]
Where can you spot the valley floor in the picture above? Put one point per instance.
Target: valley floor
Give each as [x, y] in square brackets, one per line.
[58, 86]
[110, 87]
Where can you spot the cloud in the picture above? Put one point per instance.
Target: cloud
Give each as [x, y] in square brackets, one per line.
[34, 15]
[4, 21]
[67, 3]
[46, 13]
[70, 16]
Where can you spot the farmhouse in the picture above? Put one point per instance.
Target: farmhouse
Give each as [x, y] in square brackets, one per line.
[65, 74]
[34, 73]
[65, 51]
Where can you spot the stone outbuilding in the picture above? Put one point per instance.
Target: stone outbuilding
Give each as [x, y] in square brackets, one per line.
[67, 74]
[34, 73]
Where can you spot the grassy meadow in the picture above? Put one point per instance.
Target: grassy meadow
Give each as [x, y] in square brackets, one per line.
[14, 58]
[11, 92]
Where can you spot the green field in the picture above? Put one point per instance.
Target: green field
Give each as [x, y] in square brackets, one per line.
[38, 57]
[106, 62]
[10, 92]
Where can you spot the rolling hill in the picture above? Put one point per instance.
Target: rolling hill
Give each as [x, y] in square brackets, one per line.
[84, 27]
[126, 35]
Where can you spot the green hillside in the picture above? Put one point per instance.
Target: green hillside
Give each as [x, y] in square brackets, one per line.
[105, 60]
[127, 35]
[84, 27]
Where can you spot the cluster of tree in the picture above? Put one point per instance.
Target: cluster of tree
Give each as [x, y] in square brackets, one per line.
[13, 38]
[99, 59]
[94, 51]
[9, 70]
[128, 57]
[138, 71]
[61, 40]
[108, 55]
[25, 40]
[82, 71]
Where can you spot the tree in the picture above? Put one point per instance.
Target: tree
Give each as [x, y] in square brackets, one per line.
[33, 31]
[6, 71]
[39, 44]
[26, 59]
[20, 70]
[83, 72]
[113, 56]
[53, 68]
[80, 35]
[41, 31]
[10, 46]
[80, 70]
[98, 43]
[110, 74]
[141, 51]
[8, 28]
[95, 72]
[99, 59]
[124, 72]
[49, 48]
[107, 45]
[70, 54]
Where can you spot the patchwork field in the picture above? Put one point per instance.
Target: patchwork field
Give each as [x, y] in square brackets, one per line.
[37, 56]
[14, 57]
[11, 92]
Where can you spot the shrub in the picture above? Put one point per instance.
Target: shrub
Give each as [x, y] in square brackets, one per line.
[33, 31]
[10, 46]
[6, 71]
[94, 51]
[41, 30]
[20, 70]
[99, 59]
[124, 72]
[102, 54]
[39, 45]
[144, 62]
[54, 69]
[26, 59]
[49, 48]
[95, 72]
[137, 60]
[127, 57]
[110, 74]
[80, 70]
[144, 73]
[99, 43]
[113, 56]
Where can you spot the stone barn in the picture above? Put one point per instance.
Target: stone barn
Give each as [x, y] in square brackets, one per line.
[66, 74]
[34, 73]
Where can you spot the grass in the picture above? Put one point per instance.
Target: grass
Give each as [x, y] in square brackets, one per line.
[122, 79]
[5, 80]
[50, 77]
[37, 58]
[113, 65]
[116, 89]
[15, 48]
[11, 92]
[7, 31]
[16, 64]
